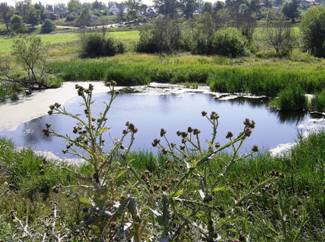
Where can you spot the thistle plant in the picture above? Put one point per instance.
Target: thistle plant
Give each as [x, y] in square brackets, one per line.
[175, 201]
[104, 197]
[181, 195]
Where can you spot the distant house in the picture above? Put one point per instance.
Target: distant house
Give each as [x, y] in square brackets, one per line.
[308, 3]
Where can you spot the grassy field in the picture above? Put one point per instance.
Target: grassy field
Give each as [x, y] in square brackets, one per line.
[65, 45]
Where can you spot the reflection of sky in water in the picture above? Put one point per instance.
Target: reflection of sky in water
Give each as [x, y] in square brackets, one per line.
[150, 113]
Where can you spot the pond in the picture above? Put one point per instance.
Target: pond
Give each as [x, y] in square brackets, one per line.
[172, 112]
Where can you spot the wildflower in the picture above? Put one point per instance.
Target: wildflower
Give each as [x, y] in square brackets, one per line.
[91, 87]
[189, 129]
[57, 105]
[229, 135]
[162, 132]
[255, 148]
[214, 116]
[184, 135]
[46, 132]
[204, 113]
[50, 112]
[196, 131]
[155, 142]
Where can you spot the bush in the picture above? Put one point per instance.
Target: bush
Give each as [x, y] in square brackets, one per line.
[318, 102]
[17, 25]
[281, 38]
[165, 37]
[227, 42]
[96, 45]
[292, 99]
[313, 31]
[47, 27]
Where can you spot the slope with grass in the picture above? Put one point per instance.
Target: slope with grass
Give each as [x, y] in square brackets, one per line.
[288, 206]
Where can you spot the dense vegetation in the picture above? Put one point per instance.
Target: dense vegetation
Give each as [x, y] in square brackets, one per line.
[219, 73]
[97, 45]
[185, 193]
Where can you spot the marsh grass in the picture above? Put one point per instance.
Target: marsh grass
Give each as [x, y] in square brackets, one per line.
[318, 102]
[223, 75]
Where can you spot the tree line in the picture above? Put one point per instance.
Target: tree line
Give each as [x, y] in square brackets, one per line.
[24, 15]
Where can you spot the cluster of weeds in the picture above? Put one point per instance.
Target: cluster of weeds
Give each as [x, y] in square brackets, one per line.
[192, 190]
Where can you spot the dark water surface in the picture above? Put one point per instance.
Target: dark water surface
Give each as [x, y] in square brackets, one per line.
[151, 112]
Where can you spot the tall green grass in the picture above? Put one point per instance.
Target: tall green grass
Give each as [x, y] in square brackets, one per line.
[257, 79]
[318, 102]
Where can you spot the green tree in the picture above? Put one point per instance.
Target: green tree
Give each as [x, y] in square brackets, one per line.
[6, 13]
[313, 31]
[31, 54]
[189, 7]
[84, 18]
[47, 27]
[133, 8]
[17, 24]
[33, 17]
[167, 7]
[291, 10]
[74, 6]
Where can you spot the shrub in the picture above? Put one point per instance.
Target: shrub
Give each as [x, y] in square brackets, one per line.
[47, 27]
[96, 45]
[17, 25]
[281, 37]
[227, 42]
[318, 102]
[165, 36]
[313, 31]
[292, 99]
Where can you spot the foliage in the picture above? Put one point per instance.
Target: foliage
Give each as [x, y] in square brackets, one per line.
[227, 42]
[47, 27]
[261, 79]
[292, 99]
[97, 45]
[189, 191]
[318, 102]
[281, 37]
[29, 173]
[165, 37]
[31, 54]
[290, 10]
[17, 25]
[189, 158]
[313, 31]
[6, 13]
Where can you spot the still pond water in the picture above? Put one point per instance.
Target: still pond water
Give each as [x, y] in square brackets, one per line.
[149, 113]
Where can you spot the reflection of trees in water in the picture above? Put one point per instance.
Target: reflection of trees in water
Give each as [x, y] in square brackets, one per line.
[251, 102]
[290, 117]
